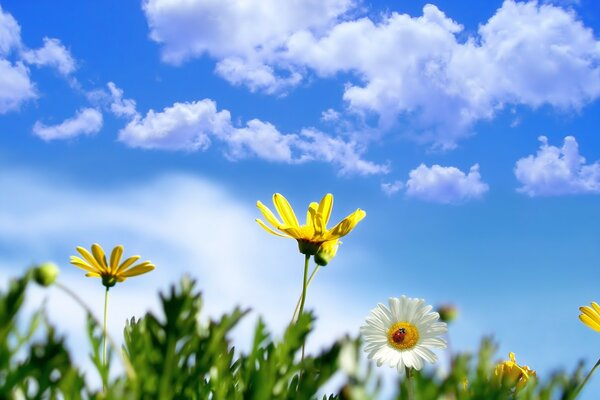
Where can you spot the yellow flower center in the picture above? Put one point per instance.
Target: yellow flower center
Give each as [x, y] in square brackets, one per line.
[403, 335]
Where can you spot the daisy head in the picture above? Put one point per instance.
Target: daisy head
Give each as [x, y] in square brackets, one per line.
[403, 334]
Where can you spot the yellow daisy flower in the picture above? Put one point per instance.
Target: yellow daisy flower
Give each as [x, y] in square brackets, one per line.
[510, 374]
[96, 266]
[314, 232]
[591, 316]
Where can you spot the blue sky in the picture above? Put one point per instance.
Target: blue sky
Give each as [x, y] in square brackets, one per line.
[468, 131]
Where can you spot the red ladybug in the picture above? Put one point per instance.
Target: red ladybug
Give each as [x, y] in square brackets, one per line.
[399, 335]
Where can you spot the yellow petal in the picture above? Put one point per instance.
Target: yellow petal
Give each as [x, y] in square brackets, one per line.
[90, 259]
[590, 313]
[325, 207]
[346, 225]
[589, 322]
[311, 213]
[92, 275]
[78, 262]
[126, 264]
[596, 307]
[269, 216]
[266, 228]
[296, 232]
[99, 255]
[115, 257]
[137, 270]
[285, 210]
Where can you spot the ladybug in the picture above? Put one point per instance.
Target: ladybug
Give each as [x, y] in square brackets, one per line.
[399, 335]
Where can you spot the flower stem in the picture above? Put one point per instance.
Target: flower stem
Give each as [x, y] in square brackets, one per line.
[310, 279]
[104, 328]
[126, 364]
[585, 381]
[304, 282]
[410, 388]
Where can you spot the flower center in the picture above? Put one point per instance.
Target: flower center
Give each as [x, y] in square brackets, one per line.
[403, 335]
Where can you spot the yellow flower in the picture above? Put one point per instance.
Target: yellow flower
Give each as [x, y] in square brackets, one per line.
[314, 232]
[510, 374]
[96, 266]
[591, 316]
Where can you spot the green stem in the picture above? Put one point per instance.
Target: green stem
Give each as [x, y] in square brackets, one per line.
[302, 300]
[410, 388]
[104, 329]
[587, 378]
[304, 281]
[310, 279]
[126, 364]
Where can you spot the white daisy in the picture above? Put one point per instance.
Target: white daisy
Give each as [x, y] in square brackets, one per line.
[402, 335]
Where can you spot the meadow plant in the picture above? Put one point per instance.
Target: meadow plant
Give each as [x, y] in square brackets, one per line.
[177, 354]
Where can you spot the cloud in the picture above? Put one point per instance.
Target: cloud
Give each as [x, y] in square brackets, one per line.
[557, 171]
[183, 126]
[391, 188]
[15, 86]
[10, 33]
[330, 115]
[119, 106]
[183, 224]
[194, 126]
[445, 184]
[190, 29]
[422, 71]
[256, 77]
[52, 54]
[87, 121]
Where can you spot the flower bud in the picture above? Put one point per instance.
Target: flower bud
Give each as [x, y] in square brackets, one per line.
[45, 274]
[326, 252]
[448, 312]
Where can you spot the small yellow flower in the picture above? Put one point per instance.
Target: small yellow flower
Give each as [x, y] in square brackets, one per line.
[314, 232]
[510, 374]
[96, 266]
[591, 316]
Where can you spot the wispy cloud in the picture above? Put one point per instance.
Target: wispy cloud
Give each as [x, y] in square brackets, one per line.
[183, 224]
[555, 171]
[87, 121]
[445, 185]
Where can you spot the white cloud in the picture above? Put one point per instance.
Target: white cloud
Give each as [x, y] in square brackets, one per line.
[183, 126]
[192, 28]
[391, 188]
[257, 77]
[318, 146]
[184, 224]
[422, 70]
[445, 184]
[557, 171]
[15, 86]
[119, 106]
[193, 126]
[10, 33]
[330, 115]
[52, 54]
[87, 121]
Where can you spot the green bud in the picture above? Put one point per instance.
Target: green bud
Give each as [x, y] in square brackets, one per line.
[448, 313]
[45, 274]
[326, 252]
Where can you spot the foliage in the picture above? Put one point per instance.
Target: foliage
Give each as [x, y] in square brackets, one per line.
[175, 355]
